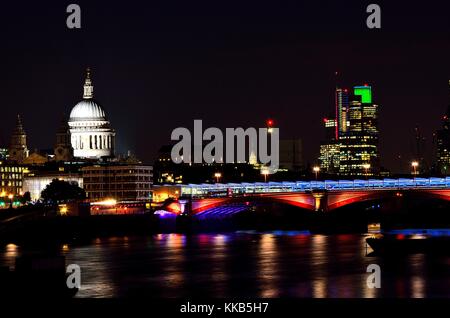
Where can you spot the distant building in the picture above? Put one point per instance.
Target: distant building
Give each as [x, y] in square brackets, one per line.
[10, 178]
[443, 145]
[165, 170]
[18, 149]
[119, 182]
[91, 134]
[342, 106]
[330, 157]
[291, 154]
[168, 172]
[3, 153]
[36, 158]
[35, 182]
[63, 147]
[353, 150]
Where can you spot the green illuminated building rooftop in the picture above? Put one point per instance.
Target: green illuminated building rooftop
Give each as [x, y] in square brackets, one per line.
[365, 92]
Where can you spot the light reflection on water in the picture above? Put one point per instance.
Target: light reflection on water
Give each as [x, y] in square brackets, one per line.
[245, 265]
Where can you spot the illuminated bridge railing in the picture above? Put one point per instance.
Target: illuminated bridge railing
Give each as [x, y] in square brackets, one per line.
[227, 189]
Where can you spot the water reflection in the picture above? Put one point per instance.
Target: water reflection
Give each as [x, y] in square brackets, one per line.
[318, 263]
[267, 266]
[97, 268]
[8, 254]
[417, 262]
[245, 265]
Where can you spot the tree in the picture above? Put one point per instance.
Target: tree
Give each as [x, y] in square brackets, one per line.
[26, 197]
[62, 191]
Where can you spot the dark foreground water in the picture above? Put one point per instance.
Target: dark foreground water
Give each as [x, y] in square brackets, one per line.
[246, 264]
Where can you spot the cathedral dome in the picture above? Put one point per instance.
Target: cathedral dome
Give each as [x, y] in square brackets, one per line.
[87, 109]
[91, 135]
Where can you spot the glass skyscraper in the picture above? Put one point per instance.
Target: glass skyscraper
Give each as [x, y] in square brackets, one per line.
[354, 149]
[443, 145]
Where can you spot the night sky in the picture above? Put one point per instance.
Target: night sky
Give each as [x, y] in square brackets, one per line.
[158, 65]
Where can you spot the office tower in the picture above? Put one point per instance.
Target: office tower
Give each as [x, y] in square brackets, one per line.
[354, 150]
[443, 144]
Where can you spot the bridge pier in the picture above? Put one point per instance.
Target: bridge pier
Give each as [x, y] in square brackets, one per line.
[320, 201]
[185, 206]
[184, 219]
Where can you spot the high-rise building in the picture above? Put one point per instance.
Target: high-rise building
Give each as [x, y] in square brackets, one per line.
[353, 150]
[443, 144]
[342, 104]
[330, 156]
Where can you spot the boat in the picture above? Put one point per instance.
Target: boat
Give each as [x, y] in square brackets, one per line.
[411, 241]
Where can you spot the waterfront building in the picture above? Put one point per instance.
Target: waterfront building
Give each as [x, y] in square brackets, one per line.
[118, 182]
[11, 178]
[36, 181]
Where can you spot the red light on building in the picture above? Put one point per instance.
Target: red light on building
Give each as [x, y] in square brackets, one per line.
[325, 120]
[270, 122]
[366, 84]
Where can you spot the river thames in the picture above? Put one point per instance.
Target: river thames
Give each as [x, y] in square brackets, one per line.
[245, 264]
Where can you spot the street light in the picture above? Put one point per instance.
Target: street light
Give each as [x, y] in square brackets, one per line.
[217, 175]
[265, 173]
[316, 170]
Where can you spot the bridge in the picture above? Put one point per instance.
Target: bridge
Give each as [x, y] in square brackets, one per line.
[327, 195]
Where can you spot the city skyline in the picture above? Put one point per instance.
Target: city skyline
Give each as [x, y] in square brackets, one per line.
[183, 71]
[430, 157]
[225, 156]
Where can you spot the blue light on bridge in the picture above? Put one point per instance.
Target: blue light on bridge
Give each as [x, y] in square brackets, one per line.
[429, 232]
[233, 189]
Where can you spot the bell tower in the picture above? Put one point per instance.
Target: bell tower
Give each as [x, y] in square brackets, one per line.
[18, 149]
[63, 146]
